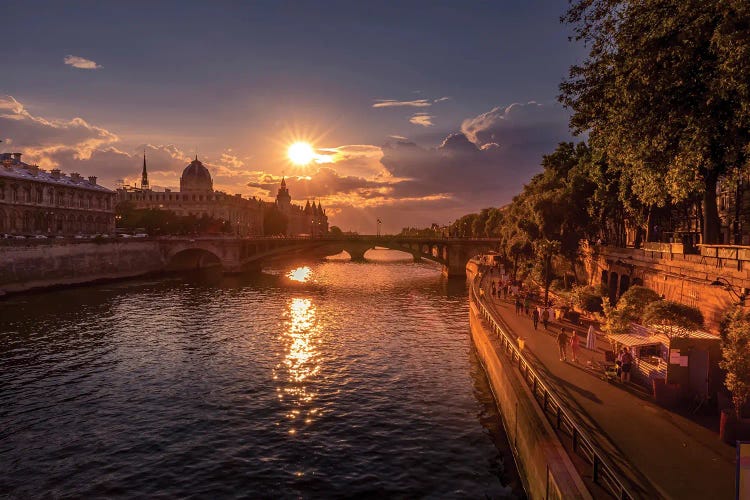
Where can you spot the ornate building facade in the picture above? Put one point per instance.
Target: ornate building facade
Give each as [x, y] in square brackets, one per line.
[310, 220]
[197, 197]
[34, 201]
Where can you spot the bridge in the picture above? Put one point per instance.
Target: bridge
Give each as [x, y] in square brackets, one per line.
[236, 255]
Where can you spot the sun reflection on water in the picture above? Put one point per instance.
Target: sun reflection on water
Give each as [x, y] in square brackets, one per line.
[301, 362]
[300, 274]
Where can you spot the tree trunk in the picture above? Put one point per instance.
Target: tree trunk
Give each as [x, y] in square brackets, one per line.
[711, 223]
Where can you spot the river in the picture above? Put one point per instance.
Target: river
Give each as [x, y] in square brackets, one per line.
[325, 379]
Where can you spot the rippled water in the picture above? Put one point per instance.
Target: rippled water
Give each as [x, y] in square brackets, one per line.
[334, 379]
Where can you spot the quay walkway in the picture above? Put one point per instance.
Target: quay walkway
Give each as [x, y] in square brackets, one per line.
[658, 452]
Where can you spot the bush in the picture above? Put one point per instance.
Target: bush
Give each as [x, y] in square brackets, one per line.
[587, 298]
[673, 318]
[629, 309]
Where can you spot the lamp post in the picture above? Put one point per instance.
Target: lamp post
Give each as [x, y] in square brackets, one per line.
[729, 287]
[378, 227]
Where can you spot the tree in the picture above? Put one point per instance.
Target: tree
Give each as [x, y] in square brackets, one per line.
[664, 93]
[674, 319]
[735, 350]
[335, 231]
[587, 298]
[629, 309]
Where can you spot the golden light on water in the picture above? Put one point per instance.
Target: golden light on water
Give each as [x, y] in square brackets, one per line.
[301, 153]
[301, 362]
[300, 274]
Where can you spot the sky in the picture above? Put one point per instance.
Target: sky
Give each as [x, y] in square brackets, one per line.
[419, 111]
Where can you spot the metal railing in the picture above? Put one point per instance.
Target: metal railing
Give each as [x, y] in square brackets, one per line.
[603, 473]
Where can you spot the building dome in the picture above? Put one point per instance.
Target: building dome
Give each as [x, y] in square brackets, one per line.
[196, 177]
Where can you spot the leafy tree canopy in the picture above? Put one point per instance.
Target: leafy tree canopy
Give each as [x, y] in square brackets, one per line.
[664, 93]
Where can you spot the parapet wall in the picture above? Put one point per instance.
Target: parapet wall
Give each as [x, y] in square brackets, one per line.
[39, 265]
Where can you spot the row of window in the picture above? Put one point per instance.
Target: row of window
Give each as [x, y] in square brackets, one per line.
[178, 197]
[55, 223]
[14, 194]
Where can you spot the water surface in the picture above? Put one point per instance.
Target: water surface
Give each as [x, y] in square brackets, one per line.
[325, 380]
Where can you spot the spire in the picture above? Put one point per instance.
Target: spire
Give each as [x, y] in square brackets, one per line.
[144, 174]
[283, 182]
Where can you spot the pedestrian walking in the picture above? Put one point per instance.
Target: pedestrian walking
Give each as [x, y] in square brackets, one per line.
[518, 305]
[574, 345]
[627, 364]
[562, 343]
[535, 317]
[526, 305]
[591, 338]
[545, 317]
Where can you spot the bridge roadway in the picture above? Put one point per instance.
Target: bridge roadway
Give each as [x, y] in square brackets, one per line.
[237, 255]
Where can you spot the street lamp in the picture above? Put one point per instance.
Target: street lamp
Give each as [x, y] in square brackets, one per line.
[378, 227]
[729, 287]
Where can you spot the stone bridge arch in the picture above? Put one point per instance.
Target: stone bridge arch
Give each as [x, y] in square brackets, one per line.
[191, 259]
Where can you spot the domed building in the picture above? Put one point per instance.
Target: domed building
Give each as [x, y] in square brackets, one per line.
[196, 178]
[197, 197]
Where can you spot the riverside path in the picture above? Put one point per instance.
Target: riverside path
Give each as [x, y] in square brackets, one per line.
[651, 447]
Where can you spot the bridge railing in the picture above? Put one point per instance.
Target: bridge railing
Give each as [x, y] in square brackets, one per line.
[603, 473]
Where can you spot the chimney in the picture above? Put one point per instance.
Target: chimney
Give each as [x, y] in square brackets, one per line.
[34, 169]
[55, 173]
[17, 157]
[5, 156]
[92, 179]
[75, 176]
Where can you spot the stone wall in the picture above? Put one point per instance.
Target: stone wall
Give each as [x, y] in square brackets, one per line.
[44, 264]
[683, 278]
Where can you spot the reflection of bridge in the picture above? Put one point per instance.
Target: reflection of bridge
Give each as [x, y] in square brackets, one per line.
[238, 255]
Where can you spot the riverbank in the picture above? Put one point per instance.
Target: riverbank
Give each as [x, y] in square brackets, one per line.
[546, 469]
[49, 265]
[654, 452]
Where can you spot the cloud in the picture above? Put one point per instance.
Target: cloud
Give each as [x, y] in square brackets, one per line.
[43, 135]
[401, 182]
[441, 99]
[423, 119]
[81, 62]
[519, 125]
[392, 103]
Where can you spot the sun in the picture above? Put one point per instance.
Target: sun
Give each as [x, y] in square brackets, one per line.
[301, 153]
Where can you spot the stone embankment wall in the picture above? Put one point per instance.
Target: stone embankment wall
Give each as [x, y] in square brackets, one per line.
[39, 265]
[679, 277]
[543, 463]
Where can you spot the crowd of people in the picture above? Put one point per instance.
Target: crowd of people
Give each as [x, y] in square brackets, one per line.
[526, 303]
